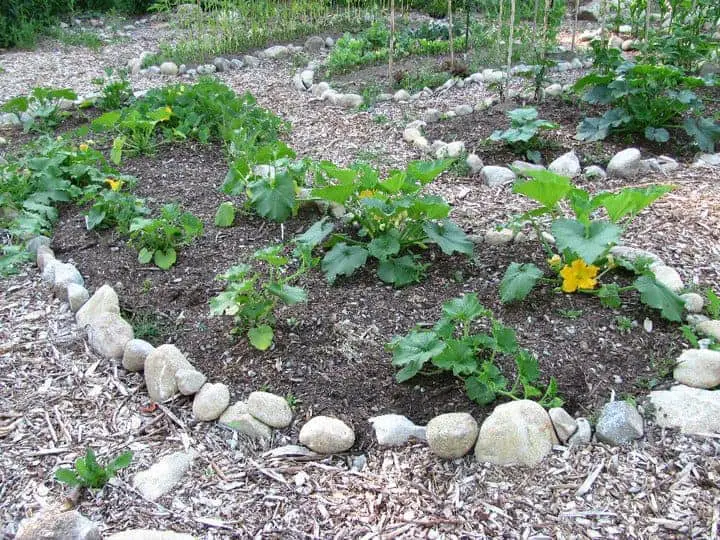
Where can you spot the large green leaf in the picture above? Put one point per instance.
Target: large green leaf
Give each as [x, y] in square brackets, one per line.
[545, 187]
[658, 296]
[413, 351]
[401, 271]
[343, 260]
[67, 476]
[704, 131]
[458, 357]
[274, 198]
[120, 462]
[316, 234]
[225, 214]
[425, 172]
[465, 309]
[287, 293]
[164, 258]
[630, 201]
[589, 242]
[338, 193]
[518, 281]
[385, 246]
[261, 337]
[527, 366]
[449, 237]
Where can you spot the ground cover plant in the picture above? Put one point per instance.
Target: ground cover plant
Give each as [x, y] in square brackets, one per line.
[87, 472]
[40, 111]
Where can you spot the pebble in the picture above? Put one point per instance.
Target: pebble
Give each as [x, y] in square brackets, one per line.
[624, 164]
[564, 424]
[395, 429]
[493, 175]
[583, 434]
[189, 381]
[169, 68]
[566, 165]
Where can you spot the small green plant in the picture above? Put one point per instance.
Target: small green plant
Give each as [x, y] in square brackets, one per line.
[77, 38]
[624, 324]
[452, 345]
[522, 136]
[225, 214]
[158, 239]
[113, 207]
[571, 313]
[137, 130]
[88, 473]
[712, 304]
[115, 90]
[42, 108]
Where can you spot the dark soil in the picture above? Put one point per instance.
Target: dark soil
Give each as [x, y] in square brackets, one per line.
[329, 353]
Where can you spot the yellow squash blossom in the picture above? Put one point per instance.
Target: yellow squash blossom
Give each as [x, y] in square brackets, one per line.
[555, 261]
[366, 194]
[579, 275]
[84, 147]
[168, 109]
[115, 185]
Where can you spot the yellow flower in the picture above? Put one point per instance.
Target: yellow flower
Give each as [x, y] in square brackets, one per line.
[579, 275]
[555, 261]
[84, 147]
[115, 185]
[168, 109]
[366, 193]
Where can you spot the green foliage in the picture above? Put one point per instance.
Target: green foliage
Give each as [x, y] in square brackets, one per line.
[452, 345]
[113, 208]
[158, 239]
[518, 281]
[87, 472]
[225, 215]
[524, 129]
[115, 90]
[712, 304]
[41, 108]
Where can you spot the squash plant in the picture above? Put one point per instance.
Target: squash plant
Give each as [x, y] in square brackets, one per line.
[583, 243]
[455, 344]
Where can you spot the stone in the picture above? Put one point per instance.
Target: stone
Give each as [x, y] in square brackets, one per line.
[43, 256]
[564, 424]
[211, 401]
[668, 276]
[553, 90]
[455, 149]
[401, 95]
[624, 164]
[163, 476]
[169, 68]
[160, 368]
[233, 412]
[474, 162]
[108, 334]
[395, 429]
[314, 44]
[189, 381]
[297, 83]
[452, 435]
[34, 244]
[64, 275]
[221, 64]
[619, 423]
[583, 434]
[422, 143]
[516, 433]
[384, 97]
[48, 272]
[632, 254]
[594, 172]
[694, 303]
[410, 134]
[692, 410]
[51, 525]
[105, 300]
[9, 119]
[275, 52]
[326, 435]
[155, 70]
[135, 353]
[615, 42]
[206, 69]
[525, 165]
[709, 328]
[248, 425]
[496, 237]
[306, 77]
[329, 42]
[319, 89]
[149, 534]
[251, 61]
[432, 115]
[566, 165]
[625, 29]
[699, 368]
[693, 319]
[349, 101]
[629, 45]
[76, 296]
[494, 176]
[463, 110]
[270, 409]
[707, 160]
[236, 63]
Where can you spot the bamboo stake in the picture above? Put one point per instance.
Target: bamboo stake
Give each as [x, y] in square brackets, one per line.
[500, 24]
[510, 39]
[392, 42]
[450, 31]
[575, 23]
[546, 16]
[648, 5]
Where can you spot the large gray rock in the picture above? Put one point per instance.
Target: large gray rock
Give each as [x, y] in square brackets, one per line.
[314, 44]
[211, 401]
[694, 303]
[33, 245]
[625, 164]
[452, 435]
[251, 61]
[699, 368]
[135, 353]
[619, 423]
[270, 409]
[76, 295]
[432, 115]
[326, 435]
[43, 256]
[108, 334]
[395, 429]
[189, 381]
[169, 68]
[275, 52]
[245, 423]
[566, 165]
[64, 275]
[348, 101]
[693, 410]
[105, 300]
[306, 77]
[59, 526]
[475, 163]
[149, 534]
[710, 328]
[583, 434]
[667, 276]
[493, 175]
[221, 64]
[564, 424]
[594, 171]
[401, 95]
[162, 477]
[160, 367]
[516, 433]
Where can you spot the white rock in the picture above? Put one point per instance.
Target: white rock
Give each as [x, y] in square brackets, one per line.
[625, 29]
[76, 295]
[422, 143]
[452, 435]
[34, 244]
[629, 45]
[525, 165]
[53, 525]
[450, 150]
[270, 409]
[298, 83]
[432, 115]
[326, 435]
[693, 410]
[134, 65]
[105, 300]
[160, 368]
[709, 328]
[149, 534]
[189, 381]
[694, 303]
[615, 42]
[64, 275]
[169, 68]
[553, 90]
[401, 95]
[307, 77]
[494, 176]
[319, 89]
[625, 164]
[583, 435]
[276, 51]
[667, 276]
[395, 429]
[248, 425]
[498, 238]
[707, 160]
[411, 133]
[348, 101]
[43, 256]
[699, 368]
[632, 254]
[251, 61]
[159, 479]
[619, 423]
[693, 319]
[474, 162]
[135, 353]
[210, 402]
[463, 110]
[314, 44]
[566, 165]
[564, 424]
[516, 433]
[383, 97]
[108, 334]
[593, 171]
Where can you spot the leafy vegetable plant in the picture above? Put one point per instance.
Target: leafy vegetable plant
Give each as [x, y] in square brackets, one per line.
[524, 128]
[583, 243]
[454, 345]
[158, 239]
[42, 108]
[88, 473]
[115, 90]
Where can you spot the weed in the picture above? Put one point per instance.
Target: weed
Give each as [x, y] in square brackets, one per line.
[571, 314]
[623, 324]
[87, 472]
[76, 38]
